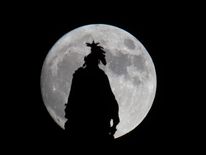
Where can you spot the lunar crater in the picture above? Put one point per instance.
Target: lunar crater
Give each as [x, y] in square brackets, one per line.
[129, 44]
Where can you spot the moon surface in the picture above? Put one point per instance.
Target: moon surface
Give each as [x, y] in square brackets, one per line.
[130, 70]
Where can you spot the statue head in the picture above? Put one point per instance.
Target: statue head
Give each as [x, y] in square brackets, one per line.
[96, 56]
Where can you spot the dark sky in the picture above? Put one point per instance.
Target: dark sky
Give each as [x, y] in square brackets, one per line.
[34, 28]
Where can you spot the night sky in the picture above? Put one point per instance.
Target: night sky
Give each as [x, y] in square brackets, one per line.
[34, 29]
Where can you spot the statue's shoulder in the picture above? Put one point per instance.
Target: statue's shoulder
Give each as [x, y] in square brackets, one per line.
[102, 73]
[79, 71]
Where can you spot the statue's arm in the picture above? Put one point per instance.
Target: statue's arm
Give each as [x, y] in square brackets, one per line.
[114, 106]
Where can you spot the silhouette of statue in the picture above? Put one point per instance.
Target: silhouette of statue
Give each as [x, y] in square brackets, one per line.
[91, 110]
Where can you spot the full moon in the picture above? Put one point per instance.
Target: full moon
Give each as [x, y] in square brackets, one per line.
[130, 70]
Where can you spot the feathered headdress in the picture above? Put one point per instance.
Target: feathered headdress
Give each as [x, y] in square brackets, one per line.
[97, 52]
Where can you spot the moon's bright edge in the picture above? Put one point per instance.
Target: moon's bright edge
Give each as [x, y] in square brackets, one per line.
[130, 70]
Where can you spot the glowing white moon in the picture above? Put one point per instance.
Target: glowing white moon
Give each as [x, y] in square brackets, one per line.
[130, 70]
